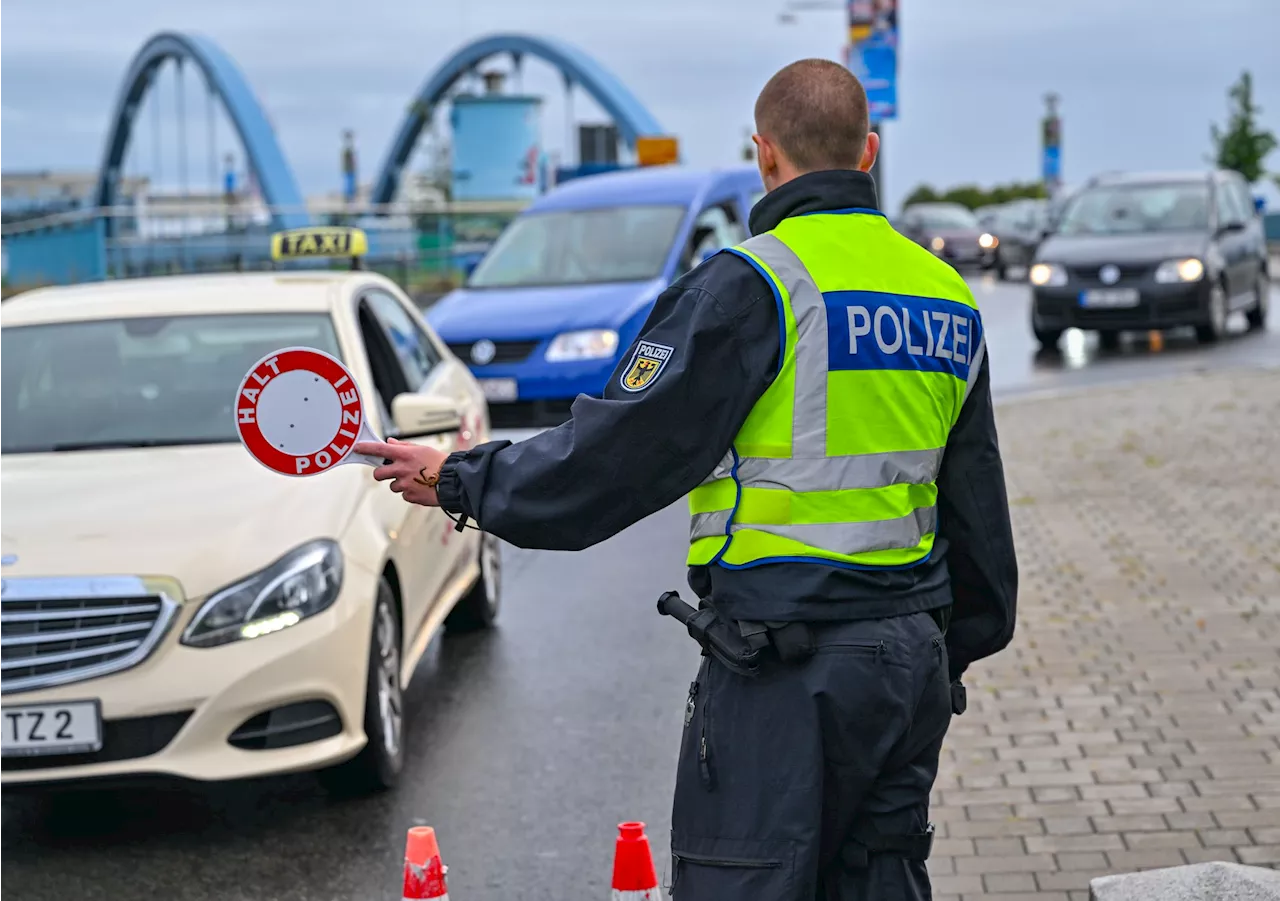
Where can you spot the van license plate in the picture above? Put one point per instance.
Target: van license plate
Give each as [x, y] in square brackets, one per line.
[1109, 298]
[69, 727]
[499, 391]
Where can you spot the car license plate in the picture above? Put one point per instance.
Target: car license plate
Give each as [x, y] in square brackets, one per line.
[69, 727]
[499, 391]
[1109, 298]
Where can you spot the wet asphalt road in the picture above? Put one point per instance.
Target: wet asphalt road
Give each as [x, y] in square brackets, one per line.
[527, 744]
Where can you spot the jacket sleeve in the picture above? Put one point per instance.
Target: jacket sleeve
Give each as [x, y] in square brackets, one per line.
[973, 517]
[632, 452]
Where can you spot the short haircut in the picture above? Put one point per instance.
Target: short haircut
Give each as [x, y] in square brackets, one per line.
[816, 112]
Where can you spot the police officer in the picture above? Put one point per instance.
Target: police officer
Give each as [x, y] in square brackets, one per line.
[821, 394]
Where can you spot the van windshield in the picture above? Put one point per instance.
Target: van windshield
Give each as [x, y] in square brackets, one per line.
[572, 247]
[1138, 209]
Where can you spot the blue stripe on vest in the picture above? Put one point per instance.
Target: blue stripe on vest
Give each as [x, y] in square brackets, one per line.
[873, 330]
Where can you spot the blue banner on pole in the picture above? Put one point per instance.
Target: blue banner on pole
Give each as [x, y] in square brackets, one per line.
[1051, 164]
[872, 54]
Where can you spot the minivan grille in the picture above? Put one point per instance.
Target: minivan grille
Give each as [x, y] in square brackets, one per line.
[55, 631]
[503, 351]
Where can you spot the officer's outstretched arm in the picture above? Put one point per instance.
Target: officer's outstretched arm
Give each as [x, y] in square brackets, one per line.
[973, 515]
[669, 413]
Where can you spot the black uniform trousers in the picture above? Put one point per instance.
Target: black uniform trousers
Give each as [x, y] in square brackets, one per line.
[777, 770]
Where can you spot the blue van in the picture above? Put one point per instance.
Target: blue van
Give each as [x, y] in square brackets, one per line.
[564, 290]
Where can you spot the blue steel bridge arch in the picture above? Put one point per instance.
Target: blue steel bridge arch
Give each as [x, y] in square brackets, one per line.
[629, 114]
[275, 178]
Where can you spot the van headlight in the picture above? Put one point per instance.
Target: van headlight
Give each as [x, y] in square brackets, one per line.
[1047, 275]
[591, 344]
[302, 583]
[1173, 271]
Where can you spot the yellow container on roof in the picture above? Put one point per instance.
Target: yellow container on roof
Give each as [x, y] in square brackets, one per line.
[321, 241]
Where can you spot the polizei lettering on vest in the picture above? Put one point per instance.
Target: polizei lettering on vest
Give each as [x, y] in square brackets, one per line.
[902, 333]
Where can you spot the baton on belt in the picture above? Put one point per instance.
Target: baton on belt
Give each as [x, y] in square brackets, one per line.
[714, 634]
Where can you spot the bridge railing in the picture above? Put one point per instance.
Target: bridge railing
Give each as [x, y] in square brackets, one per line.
[425, 247]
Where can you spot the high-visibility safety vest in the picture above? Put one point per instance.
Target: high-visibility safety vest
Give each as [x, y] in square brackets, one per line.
[837, 463]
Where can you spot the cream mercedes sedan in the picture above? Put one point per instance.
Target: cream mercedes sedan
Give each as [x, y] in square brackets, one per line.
[169, 605]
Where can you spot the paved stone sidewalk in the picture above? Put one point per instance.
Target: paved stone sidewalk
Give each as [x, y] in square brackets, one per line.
[1135, 720]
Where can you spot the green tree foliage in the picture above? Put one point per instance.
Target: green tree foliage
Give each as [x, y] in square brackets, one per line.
[1243, 145]
[973, 196]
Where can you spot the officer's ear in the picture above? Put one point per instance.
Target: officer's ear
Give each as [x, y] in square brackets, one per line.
[870, 153]
[766, 160]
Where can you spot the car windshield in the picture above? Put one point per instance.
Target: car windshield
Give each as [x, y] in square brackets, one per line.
[946, 217]
[1021, 215]
[148, 382]
[1137, 209]
[571, 247]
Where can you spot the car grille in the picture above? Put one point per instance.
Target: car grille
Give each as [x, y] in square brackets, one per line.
[1129, 272]
[56, 631]
[504, 351]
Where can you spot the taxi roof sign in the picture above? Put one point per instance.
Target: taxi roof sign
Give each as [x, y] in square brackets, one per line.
[321, 241]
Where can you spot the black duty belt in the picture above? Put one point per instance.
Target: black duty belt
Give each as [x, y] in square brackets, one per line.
[741, 646]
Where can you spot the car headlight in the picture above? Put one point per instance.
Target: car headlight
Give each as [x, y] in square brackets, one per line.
[987, 241]
[1188, 270]
[1047, 275]
[937, 244]
[302, 583]
[592, 344]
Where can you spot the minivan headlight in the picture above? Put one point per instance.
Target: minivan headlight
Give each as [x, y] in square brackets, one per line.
[1047, 275]
[302, 583]
[591, 344]
[1173, 271]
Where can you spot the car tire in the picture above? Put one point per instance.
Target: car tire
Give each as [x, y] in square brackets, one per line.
[1109, 339]
[1048, 338]
[478, 608]
[1216, 327]
[378, 765]
[1257, 314]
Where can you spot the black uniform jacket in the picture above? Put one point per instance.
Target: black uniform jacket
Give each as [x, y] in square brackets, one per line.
[629, 453]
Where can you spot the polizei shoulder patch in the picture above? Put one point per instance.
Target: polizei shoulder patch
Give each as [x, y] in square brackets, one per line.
[645, 366]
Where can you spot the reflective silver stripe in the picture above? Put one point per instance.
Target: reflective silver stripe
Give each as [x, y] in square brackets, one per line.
[723, 470]
[809, 415]
[975, 364]
[857, 537]
[705, 525]
[918, 467]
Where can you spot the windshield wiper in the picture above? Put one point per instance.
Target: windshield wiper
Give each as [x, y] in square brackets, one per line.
[134, 443]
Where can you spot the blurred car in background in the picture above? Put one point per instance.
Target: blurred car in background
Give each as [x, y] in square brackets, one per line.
[951, 231]
[172, 607]
[1018, 227]
[567, 286]
[1152, 251]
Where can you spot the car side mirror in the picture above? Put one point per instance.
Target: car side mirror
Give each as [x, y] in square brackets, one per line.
[1227, 228]
[420, 415]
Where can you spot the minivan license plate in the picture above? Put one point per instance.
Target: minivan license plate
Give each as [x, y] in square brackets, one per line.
[499, 391]
[1109, 298]
[66, 727]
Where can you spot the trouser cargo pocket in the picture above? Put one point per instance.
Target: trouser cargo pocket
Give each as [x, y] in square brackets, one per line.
[717, 869]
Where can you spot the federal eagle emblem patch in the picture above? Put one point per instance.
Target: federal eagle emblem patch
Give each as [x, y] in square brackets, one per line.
[646, 363]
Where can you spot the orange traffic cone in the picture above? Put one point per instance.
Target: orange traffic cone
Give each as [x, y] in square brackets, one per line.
[423, 870]
[634, 878]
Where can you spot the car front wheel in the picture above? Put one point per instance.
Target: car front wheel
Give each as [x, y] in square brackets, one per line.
[1216, 326]
[1257, 314]
[377, 767]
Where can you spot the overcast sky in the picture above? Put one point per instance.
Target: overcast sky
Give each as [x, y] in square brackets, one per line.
[1140, 80]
